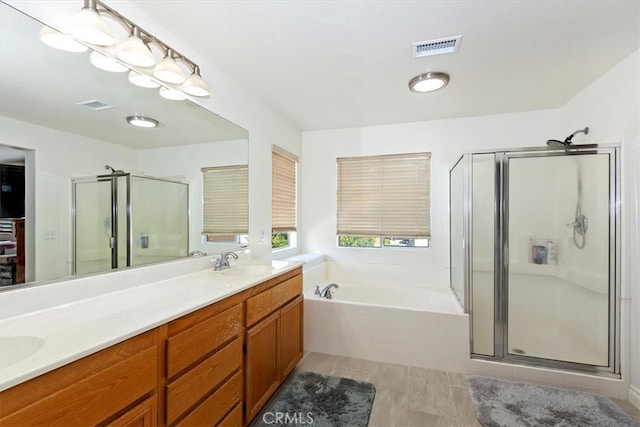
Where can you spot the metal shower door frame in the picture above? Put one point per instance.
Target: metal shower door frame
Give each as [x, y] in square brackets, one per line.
[502, 282]
[501, 256]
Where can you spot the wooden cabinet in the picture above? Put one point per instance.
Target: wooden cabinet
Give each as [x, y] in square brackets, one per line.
[192, 371]
[204, 364]
[274, 345]
[102, 389]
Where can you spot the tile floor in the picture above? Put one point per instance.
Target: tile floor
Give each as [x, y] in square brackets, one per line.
[407, 396]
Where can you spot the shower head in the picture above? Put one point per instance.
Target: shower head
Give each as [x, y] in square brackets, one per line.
[556, 143]
[113, 171]
[567, 141]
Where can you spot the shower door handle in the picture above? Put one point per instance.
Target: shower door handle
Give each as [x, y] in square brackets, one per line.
[112, 242]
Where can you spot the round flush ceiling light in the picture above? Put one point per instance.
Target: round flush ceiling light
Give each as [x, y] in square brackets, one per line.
[428, 82]
[142, 122]
[60, 41]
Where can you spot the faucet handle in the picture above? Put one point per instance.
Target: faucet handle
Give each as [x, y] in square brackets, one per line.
[317, 291]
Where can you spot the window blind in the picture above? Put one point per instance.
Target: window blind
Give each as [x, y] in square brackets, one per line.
[384, 196]
[283, 190]
[225, 193]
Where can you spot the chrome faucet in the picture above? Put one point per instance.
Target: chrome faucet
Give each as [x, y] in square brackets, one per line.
[222, 263]
[197, 253]
[326, 292]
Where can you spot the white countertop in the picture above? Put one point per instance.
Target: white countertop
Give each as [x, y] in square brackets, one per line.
[76, 329]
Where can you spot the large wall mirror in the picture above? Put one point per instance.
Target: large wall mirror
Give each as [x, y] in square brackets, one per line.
[62, 121]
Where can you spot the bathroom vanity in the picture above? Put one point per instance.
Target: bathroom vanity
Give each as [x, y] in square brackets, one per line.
[218, 364]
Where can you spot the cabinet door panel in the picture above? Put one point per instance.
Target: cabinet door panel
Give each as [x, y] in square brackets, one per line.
[291, 337]
[143, 415]
[262, 373]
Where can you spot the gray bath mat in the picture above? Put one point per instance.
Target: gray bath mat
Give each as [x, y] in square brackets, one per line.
[307, 398]
[510, 404]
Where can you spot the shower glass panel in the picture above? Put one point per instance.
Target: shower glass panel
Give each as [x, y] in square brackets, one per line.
[160, 229]
[457, 219]
[92, 226]
[558, 269]
[483, 202]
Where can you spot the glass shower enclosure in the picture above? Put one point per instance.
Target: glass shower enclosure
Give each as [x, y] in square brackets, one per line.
[534, 255]
[122, 220]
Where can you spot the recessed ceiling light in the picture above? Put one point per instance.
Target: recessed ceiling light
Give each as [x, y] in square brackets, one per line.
[428, 82]
[142, 122]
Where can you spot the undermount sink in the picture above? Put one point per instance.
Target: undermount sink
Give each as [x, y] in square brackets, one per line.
[17, 348]
[248, 270]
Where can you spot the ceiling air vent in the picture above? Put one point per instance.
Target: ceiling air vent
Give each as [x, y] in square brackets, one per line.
[436, 47]
[95, 105]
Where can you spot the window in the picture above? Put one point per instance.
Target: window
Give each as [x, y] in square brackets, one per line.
[384, 201]
[283, 192]
[225, 212]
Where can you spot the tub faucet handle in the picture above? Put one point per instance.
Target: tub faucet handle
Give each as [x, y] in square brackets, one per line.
[317, 291]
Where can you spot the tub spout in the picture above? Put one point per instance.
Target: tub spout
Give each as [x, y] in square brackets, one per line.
[326, 292]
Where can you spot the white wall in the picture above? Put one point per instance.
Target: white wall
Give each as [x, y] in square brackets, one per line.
[610, 106]
[53, 172]
[445, 139]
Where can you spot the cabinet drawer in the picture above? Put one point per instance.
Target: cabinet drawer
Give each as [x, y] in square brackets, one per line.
[93, 399]
[199, 381]
[189, 346]
[213, 409]
[233, 418]
[270, 300]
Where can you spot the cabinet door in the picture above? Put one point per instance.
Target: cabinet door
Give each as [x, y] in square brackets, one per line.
[142, 415]
[262, 362]
[291, 336]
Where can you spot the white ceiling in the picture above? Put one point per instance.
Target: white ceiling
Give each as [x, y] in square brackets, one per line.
[335, 64]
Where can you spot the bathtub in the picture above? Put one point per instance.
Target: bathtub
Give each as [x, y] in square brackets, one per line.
[384, 315]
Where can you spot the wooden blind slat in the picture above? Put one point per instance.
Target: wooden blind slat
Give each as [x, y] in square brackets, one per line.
[384, 196]
[283, 193]
[225, 193]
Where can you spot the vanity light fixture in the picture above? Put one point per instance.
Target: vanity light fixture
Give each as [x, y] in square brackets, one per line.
[89, 27]
[168, 70]
[134, 51]
[428, 82]
[142, 122]
[106, 63]
[171, 94]
[195, 86]
[142, 80]
[61, 41]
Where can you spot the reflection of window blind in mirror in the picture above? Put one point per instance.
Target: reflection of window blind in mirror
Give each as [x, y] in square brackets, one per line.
[384, 195]
[283, 190]
[225, 192]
